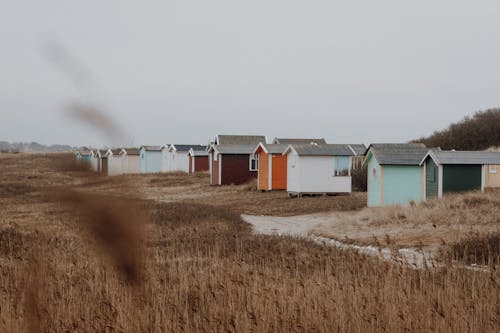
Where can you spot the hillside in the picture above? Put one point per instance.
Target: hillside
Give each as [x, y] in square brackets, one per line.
[479, 132]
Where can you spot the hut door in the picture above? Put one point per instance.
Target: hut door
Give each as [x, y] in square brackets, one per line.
[431, 179]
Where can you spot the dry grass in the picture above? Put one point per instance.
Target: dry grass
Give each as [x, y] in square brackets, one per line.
[426, 225]
[205, 271]
[475, 249]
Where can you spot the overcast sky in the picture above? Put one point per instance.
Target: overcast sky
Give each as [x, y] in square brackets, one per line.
[183, 71]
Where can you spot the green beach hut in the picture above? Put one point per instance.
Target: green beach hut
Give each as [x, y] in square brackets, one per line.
[395, 176]
[456, 171]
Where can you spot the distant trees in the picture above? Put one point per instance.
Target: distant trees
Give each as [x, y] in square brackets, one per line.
[478, 132]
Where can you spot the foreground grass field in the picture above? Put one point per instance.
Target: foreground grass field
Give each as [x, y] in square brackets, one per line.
[161, 259]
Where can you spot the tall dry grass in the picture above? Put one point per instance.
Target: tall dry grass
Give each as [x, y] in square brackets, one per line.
[204, 270]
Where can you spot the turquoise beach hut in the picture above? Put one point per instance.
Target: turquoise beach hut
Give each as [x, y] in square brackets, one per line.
[83, 158]
[395, 176]
[151, 159]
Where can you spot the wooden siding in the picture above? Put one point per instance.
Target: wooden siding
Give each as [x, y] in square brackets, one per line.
[190, 167]
[235, 169]
[104, 166]
[200, 163]
[431, 179]
[375, 183]
[215, 172]
[402, 184]
[279, 172]
[492, 176]
[357, 162]
[460, 178]
[263, 183]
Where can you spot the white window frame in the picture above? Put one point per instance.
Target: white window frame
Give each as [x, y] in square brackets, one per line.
[492, 168]
[253, 157]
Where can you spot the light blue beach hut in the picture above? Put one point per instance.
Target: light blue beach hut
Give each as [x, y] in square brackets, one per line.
[151, 159]
[395, 176]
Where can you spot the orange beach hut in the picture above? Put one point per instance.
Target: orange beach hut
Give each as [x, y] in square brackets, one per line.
[272, 166]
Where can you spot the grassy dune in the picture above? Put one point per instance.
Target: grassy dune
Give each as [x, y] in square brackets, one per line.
[193, 265]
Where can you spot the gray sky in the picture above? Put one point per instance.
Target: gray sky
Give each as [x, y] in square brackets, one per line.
[183, 71]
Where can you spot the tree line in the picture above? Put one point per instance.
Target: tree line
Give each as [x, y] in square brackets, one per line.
[479, 132]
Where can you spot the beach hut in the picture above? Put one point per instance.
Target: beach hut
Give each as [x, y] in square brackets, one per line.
[394, 173]
[102, 161]
[359, 151]
[231, 159]
[198, 161]
[130, 160]
[165, 158]
[151, 159]
[272, 166]
[83, 158]
[178, 158]
[114, 161]
[457, 171]
[94, 161]
[492, 173]
[318, 169]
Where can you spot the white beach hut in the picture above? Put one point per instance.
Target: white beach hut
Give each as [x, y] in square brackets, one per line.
[318, 169]
[130, 159]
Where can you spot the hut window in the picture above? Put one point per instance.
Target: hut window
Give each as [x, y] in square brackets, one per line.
[254, 162]
[374, 172]
[492, 169]
[341, 166]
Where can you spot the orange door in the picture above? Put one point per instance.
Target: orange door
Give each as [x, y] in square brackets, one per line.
[279, 172]
[263, 183]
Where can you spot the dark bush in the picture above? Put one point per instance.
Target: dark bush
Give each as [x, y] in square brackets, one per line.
[479, 132]
[359, 179]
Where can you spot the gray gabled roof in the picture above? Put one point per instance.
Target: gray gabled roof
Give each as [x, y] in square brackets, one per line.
[113, 151]
[396, 146]
[359, 149]
[152, 148]
[102, 153]
[463, 157]
[193, 152]
[321, 150]
[398, 153]
[233, 149]
[240, 139]
[272, 148]
[186, 148]
[291, 141]
[83, 152]
[131, 151]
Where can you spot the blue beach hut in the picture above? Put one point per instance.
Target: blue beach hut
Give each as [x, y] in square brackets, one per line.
[151, 159]
[395, 176]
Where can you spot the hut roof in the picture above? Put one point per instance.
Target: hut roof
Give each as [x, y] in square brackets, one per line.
[152, 148]
[358, 149]
[233, 149]
[271, 148]
[240, 139]
[321, 150]
[398, 153]
[186, 148]
[290, 141]
[463, 157]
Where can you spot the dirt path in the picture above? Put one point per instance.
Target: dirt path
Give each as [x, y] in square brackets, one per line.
[305, 226]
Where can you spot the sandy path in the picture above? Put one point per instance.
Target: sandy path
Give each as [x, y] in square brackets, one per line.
[305, 225]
